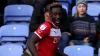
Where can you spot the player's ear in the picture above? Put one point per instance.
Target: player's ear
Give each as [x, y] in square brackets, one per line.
[47, 16]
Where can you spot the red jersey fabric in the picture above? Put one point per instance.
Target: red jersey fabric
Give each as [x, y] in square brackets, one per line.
[50, 36]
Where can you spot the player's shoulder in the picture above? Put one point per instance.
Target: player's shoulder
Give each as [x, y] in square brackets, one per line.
[45, 26]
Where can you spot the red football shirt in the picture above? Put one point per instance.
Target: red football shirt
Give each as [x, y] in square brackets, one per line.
[50, 36]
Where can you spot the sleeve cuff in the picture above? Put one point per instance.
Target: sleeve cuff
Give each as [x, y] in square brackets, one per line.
[38, 35]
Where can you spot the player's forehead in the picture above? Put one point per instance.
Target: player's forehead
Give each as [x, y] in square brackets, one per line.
[56, 9]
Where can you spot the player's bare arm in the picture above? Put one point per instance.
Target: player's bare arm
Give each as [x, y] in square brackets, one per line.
[59, 53]
[31, 44]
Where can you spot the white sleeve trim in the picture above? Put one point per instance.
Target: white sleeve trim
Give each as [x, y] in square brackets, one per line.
[38, 35]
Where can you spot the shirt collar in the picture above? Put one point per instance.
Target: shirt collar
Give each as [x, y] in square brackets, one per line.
[51, 22]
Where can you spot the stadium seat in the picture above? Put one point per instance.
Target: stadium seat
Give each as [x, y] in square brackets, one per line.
[99, 52]
[90, 1]
[79, 50]
[69, 1]
[14, 33]
[76, 1]
[11, 50]
[17, 13]
[93, 10]
[65, 6]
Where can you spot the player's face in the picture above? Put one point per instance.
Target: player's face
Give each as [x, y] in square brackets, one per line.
[81, 8]
[56, 15]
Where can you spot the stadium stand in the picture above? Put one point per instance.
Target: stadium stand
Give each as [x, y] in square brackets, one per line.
[79, 50]
[17, 13]
[11, 50]
[65, 5]
[14, 33]
[69, 1]
[99, 52]
[89, 1]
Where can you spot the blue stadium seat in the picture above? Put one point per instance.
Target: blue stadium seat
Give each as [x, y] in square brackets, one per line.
[14, 32]
[76, 1]
[65, 6]
[69, 1]
[11, 50]
[99, 52]
[90, 1]
[20, 13]
[93, 10]
[79, 50]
